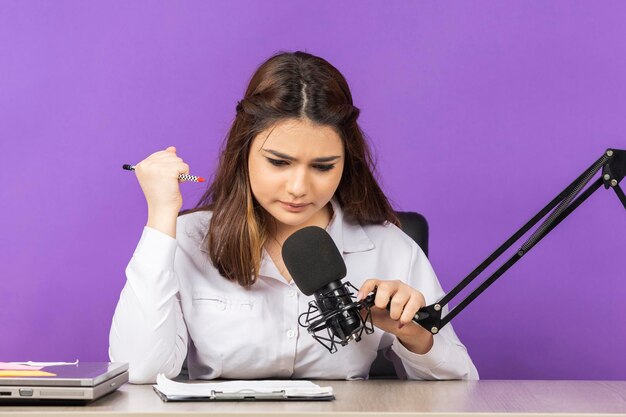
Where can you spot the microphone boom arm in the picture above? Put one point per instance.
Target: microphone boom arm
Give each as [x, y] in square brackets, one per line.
[613, 165]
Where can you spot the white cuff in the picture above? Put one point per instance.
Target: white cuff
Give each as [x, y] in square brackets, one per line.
[428, 361]
[156, 249]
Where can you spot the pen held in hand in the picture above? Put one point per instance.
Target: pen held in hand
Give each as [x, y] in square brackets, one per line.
[181, 177]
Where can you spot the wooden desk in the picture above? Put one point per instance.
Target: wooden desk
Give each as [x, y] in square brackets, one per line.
[391, 398]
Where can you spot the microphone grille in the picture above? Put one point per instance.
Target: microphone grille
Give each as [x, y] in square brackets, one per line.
[312, 259]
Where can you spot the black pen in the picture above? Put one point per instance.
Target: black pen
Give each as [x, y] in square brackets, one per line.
[181, 177]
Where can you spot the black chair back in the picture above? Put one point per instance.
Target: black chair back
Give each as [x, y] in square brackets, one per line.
[416, 226]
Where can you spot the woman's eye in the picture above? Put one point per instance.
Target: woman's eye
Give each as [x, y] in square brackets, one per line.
[323, 167]
[277, 162]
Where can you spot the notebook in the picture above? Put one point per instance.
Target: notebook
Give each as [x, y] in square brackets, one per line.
[270, 390]
[80, 382]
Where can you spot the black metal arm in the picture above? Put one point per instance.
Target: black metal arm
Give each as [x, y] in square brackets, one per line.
[613, 165]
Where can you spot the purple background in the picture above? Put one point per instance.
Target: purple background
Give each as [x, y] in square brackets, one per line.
[479, 112]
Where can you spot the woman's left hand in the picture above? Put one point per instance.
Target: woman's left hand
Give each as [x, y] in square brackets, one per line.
[404, 302]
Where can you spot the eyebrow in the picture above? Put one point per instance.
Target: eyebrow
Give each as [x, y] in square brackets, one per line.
[291, 158]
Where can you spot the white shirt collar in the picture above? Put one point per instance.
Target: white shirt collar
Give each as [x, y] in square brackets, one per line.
[346, 232]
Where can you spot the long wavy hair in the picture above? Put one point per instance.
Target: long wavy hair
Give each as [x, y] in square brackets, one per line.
[293, 85]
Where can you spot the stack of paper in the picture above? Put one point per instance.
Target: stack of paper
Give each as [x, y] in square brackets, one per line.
[169, 390]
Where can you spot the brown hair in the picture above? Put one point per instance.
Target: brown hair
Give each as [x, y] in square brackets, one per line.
[294, 85]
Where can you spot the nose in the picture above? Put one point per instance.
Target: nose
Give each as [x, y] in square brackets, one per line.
[297, 183]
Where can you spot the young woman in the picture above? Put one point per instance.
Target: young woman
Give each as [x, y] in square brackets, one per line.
[210, 284]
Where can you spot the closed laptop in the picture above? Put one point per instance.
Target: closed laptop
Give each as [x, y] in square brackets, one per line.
[79, 383]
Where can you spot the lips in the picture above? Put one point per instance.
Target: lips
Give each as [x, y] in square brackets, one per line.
[293, 207]
[294, 204]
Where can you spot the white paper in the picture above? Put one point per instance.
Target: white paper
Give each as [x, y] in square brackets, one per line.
[291, 388]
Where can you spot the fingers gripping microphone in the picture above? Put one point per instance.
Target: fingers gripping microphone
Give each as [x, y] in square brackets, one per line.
[317, 268]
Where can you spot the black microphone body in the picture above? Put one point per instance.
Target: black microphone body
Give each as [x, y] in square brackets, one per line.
[339, 310]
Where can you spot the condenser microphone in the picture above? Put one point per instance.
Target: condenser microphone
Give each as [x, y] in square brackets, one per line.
[317, 268]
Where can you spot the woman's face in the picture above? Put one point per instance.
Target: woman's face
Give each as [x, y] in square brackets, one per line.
[295, 168]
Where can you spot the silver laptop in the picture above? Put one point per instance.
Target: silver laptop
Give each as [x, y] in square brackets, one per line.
[80, 383]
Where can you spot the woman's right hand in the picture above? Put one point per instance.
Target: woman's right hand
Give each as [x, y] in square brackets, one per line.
[158, 178]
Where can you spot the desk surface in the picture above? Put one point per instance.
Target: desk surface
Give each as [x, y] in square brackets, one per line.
[358, 398]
